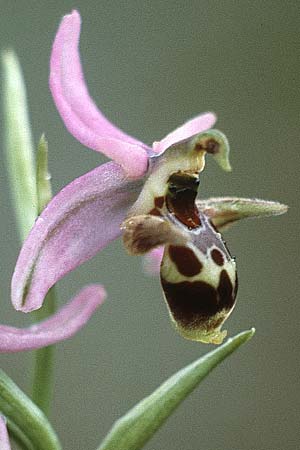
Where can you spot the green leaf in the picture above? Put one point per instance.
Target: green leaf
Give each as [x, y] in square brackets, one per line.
[134, 429]
[18, 144]
[27, 419]
[18, 436]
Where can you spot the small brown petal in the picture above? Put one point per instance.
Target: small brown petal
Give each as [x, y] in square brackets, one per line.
[145, 232]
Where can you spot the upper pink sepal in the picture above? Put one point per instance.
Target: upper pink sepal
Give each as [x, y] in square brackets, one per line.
[4, 440]
[62, 325]
[78, 222]
[191, 128]
[78, 111]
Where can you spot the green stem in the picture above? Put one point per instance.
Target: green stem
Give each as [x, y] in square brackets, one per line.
[43, 377]
[44, 358]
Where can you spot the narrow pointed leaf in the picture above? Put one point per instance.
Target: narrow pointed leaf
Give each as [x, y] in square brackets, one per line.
[18, 436]
[18, 144]
[26, 416]
[134, 429]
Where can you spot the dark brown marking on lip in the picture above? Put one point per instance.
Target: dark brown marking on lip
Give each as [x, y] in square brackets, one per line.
[191, 303]
[159, 201]
[210, 146]
[181, 197]
[225, 290]
[217, 256]
[155, 212]
[194, 304]
[236, 285]
[185, 260]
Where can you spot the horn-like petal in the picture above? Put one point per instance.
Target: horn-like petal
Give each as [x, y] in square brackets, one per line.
[224, 211]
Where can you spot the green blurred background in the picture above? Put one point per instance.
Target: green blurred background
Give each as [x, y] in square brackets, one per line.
[151, 65]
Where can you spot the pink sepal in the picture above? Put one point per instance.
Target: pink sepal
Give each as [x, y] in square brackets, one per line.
[62, 325]
[78, 111]
[77, 223]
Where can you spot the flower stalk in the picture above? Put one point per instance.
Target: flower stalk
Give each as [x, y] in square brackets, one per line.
[43, 377]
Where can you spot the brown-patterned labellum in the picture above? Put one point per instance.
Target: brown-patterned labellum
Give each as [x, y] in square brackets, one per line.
[199, 303]
[199, 278]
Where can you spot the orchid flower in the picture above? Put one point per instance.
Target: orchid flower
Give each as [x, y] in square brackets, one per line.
[146, 193]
